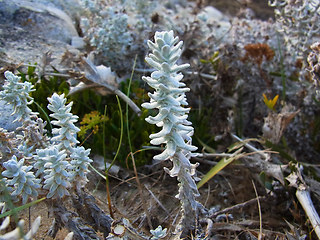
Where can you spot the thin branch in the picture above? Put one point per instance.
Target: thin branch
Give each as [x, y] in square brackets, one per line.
[214, 155]
[250, 147]
[209, 227]
[307, 204]
[237, 206]
[157, 200]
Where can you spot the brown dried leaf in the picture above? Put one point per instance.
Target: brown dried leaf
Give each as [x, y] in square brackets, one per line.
[275, 124]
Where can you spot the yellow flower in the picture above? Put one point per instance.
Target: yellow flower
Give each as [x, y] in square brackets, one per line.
[270, 103]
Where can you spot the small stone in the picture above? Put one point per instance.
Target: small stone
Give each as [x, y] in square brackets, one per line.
[77, 42]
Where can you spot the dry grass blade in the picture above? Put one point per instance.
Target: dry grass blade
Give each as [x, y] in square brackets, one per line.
[157, 200]
[259, 208]
[144, 203]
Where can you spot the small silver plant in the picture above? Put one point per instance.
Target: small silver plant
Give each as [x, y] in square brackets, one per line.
[158, 233]
[79, 165]
[17, 93]
[33, 130]
[65, 135]
[56, 173]
[21, 178]
[17, 233]
[169, 98]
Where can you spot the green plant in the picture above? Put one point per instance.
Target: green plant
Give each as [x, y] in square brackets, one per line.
[89, 106]
[90, 124]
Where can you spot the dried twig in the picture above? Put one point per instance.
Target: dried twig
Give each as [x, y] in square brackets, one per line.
[237, 206]
[209, 227]
[252, 148]
[303, 194]
[87, 208]
[307, 204]
[70, 220]
[157, 200]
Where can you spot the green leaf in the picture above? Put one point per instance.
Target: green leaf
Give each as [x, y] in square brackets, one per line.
[18, 209]
[206, 147]
[220, 165]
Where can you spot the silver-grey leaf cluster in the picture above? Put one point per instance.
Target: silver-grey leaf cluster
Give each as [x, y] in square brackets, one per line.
[79, 164]
[106, 28]
[56, 160]
[56, 172]
[65, 135]
[21, 178]
[17, 233]
[170, 100]
[17, 93]
[158, 233]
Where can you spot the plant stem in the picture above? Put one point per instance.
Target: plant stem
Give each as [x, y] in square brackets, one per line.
[114, 159]
[127, 105]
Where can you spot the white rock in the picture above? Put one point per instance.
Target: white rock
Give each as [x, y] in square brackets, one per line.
[6, 119]
[210, 12]
[77, 42]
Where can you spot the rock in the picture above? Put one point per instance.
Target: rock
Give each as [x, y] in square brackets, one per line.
[46, 21]
[6, 119]
[29, 29]
[210, 12]
[78, 42]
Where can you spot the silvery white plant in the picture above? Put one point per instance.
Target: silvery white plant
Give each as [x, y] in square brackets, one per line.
[21, 178]
[79, 164]
[298, 22]
[40, 159]
[169, 98]
[66, 134]
[56, 173]
[17, 93]
[158, 233]
[33, 130]
[106, 29]
[17, 233]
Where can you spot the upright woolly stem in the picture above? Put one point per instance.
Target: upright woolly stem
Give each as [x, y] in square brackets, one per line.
[170, 100]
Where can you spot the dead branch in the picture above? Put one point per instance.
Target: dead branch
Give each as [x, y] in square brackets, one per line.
[303, 194]
[87, 208]
[71, 221]
[238, 206]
